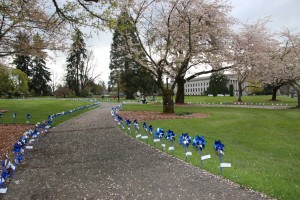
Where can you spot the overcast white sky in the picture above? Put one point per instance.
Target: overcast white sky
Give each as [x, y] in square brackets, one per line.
[283, 13]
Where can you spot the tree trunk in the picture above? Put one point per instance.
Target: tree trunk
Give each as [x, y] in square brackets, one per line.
[298, 96]
[168, 104]
[274, 92]
[240, 92]
[180, 91]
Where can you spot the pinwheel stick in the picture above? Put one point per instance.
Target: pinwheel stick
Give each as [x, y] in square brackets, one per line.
[201, 163]
[186, 157]
[220, 163]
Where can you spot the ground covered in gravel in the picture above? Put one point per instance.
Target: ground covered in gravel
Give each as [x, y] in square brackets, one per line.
[10, 133]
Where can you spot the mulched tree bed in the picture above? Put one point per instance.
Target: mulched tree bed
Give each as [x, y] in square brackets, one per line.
[10, 134]
[151, 115]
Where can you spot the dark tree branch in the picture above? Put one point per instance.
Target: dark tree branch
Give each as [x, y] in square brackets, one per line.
[206, 72]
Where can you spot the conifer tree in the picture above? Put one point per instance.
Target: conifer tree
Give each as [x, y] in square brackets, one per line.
[218, 84]
[22, 61]
[40, 73]
[40, 77]
[75, 60]
[125, 70]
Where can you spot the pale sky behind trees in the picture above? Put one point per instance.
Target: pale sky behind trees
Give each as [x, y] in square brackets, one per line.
[283, 13]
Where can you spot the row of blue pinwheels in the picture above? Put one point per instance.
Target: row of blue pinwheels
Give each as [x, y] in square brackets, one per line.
[185, 140]
[22, 147]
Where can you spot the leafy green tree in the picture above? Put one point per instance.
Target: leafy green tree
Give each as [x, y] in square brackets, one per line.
[130, 74]
[75, 60]
[6, 84]
[20, 82]
[217, 84]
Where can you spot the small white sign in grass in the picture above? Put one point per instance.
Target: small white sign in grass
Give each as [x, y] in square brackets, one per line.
[205, 157]
[171, 148]
[225, 165]
[188, 153]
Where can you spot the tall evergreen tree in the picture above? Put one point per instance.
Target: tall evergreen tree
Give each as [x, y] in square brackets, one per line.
[40, 73]
[75, 60]
[123, 69]
[40, 77]
[23, 61]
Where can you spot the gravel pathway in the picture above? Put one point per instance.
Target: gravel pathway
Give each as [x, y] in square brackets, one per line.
[88, 157]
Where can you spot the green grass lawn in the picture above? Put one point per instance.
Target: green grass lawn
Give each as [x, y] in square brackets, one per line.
[264, 99]
[256, 100]
[262, 145]
[39, 109]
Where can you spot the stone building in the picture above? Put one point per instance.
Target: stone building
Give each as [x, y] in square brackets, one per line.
[198, 86]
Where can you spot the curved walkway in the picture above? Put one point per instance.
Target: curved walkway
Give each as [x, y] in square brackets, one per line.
[88, 157]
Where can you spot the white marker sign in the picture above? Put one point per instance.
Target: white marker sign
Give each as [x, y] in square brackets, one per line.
[188, 153]
[225, 165]
[29, 147]
[156, 140]
[144, 137]
[3, 190]
[163, 145]
[171, 148]
[205, 157]
[139, 135]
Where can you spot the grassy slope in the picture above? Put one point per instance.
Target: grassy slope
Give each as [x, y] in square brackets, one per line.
[262, 145]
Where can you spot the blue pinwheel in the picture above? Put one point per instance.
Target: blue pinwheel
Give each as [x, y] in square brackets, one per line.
[136, 125]
[4, 174]
[18, 158]
[128, 123]
[7, 169]
[17, 148]
[170, 136]
[185, 140]
[50, 119]
[120, 121]
[219, 147]
[159, 133]
[150, 129]
[44, 126]
[145, 126]
[199, 143]
[35, 133]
